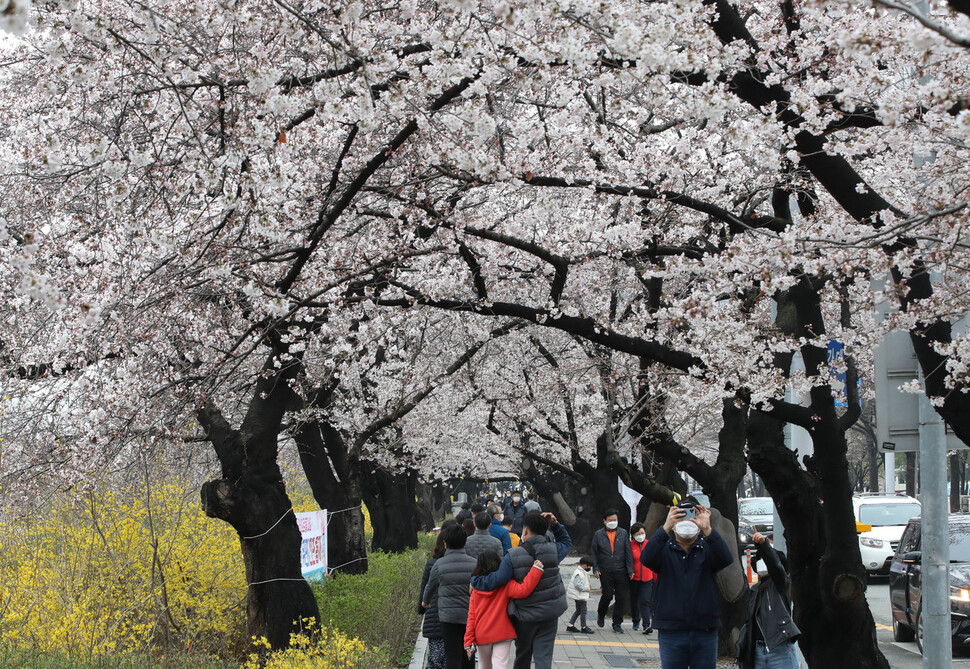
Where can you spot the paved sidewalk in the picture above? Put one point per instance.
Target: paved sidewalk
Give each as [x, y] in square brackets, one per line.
[605, 648]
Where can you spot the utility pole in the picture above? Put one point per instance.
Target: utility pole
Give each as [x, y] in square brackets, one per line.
[934, 519]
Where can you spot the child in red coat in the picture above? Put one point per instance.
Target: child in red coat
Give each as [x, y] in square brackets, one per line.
[489, 628]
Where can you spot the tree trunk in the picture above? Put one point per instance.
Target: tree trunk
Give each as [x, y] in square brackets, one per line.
[334, 476]
[251, 496]
[873, 451]
[955, 483]
[425, 506]
[911, 487]
[390, 500]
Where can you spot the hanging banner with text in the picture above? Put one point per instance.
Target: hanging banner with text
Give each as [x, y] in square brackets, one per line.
[313, 552]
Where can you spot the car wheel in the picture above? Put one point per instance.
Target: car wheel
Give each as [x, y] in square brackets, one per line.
[919, 630]
[901, 632]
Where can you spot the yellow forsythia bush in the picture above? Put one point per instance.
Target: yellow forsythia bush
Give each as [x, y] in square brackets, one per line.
[143, 569]
[327, 650]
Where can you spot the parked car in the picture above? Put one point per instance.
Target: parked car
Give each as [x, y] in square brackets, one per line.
[905, 581]
[755, 514]
[888, 515]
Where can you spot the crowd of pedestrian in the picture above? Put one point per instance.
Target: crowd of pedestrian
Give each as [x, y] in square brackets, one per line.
[494, 578]
[480, 591]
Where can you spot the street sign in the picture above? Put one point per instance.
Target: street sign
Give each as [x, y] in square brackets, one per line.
[897, 412]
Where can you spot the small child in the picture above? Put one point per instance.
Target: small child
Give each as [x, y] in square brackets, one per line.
[578, 591]
[489, 630]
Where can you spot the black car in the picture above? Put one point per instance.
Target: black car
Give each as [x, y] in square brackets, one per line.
[755, 514]
[905, 581]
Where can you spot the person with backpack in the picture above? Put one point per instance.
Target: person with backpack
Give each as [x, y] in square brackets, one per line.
[489, 631]
[536, 617]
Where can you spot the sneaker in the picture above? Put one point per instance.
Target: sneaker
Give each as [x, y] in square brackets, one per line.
[648, 630]
[636, 626]
[587, 630]
[572, 628]
[600, 621]
[617, 629]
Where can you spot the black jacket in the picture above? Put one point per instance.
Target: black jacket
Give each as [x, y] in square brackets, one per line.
[430, 627]
[515, 514]
[769, 607]
[548, 600]
[617, 560]
[685, 596]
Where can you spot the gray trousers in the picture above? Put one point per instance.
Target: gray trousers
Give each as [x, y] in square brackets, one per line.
[580, 612]
[535, 642]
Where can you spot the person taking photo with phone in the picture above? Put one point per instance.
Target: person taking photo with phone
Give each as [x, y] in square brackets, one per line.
[686, 553]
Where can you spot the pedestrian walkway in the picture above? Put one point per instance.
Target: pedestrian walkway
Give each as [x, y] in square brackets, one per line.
[605, 648]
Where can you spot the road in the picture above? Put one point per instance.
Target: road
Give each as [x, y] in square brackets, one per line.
[900, 655]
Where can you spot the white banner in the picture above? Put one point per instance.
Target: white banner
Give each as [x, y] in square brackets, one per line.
[313, 552]
[632, 498]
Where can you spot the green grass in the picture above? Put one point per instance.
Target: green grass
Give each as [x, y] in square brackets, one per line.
[379, 607]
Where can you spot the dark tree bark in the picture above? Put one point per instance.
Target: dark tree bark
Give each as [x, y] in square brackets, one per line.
[426, 506]
[334, 475]
[251, 496]
[955, 482]
[828, 577]
[911, 483]
[390, 500]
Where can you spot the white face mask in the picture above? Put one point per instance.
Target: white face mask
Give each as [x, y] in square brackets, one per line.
[516, 499]
[611, 525]
[639, 538]
[500, 517]
[686, 529]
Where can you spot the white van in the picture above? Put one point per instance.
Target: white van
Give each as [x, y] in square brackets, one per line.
[888, 515]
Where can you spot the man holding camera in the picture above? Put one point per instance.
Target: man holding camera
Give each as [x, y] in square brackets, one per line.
[686, 553]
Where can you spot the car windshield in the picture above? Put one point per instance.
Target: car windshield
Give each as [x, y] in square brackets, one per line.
[959, 542]
[881, 515]
[755, 507]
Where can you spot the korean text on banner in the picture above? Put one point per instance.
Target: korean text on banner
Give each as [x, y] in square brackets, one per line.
[313, 552]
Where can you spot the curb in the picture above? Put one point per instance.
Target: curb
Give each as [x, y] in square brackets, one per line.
[420, 650]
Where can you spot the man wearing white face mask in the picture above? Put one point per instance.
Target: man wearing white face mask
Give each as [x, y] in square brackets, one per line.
[686, 553]
[496, 530]
[515, 511]
[613, 566]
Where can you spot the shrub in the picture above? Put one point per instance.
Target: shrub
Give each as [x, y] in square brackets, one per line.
[325, 649]
[121, 572]
[379, 607]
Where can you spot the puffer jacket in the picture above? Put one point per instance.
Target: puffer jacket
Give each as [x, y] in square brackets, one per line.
[430, 627]
[548, 600]
[488, 619]
[482, 541]
[578, 589]
[449, 580]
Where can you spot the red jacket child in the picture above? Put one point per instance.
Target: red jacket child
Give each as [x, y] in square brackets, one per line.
[488, 618]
